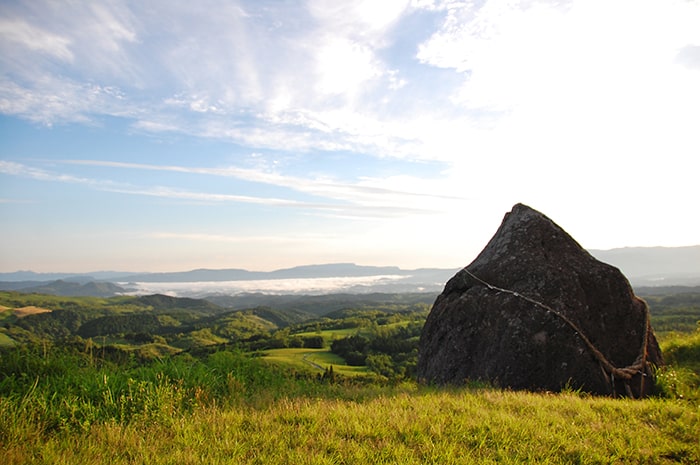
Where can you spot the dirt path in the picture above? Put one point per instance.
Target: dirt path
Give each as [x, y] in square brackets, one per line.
[312, 363]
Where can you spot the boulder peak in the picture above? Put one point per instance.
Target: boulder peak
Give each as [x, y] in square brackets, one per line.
[536, 311]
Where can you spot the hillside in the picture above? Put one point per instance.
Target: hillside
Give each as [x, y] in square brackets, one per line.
[319, 305]
[183, 323]
[254, 385]
[68, 288]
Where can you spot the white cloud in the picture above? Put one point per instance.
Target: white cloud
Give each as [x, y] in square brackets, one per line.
[589, 80]
[534, 78]
[395, 195]
[17, 32]
[22, 170]
[234, 75]
[54, 99]
[343, 66]
[365, 19]
[359, 201]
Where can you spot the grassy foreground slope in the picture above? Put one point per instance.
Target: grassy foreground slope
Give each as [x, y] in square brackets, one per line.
[229, 408]
[418, 426]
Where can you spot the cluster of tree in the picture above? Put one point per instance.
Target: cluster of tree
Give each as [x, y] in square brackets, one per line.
[389, 351]
[120, 324]
[56, 324]
[280, 340]
[673, 308]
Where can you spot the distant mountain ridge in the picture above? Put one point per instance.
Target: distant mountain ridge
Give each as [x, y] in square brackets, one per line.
[655, 266]
[26, 275]
[67, 288]
[329, 270]
[643, 266]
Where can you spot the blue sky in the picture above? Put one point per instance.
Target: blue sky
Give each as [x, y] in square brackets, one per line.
[158, 135]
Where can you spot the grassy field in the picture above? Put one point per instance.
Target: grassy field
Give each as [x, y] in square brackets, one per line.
[410, 425]
[230, 408]
[5, 340]
[329, 335]
[312, 360]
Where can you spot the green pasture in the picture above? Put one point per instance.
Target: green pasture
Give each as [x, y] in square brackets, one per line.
[315, 360]
[329, 335]
[5, 340]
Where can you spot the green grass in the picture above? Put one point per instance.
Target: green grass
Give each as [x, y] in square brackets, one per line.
[681, 377]
[5, 340]
[329, 335]
[66, 406]
[7, 314]
[409, 425]
[683, 349]
[312, 360]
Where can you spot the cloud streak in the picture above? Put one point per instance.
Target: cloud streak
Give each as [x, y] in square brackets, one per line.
[348, 210]
[330, 188]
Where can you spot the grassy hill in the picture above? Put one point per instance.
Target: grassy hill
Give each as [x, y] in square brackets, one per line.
[314, 306]
[230, 408]
[173, 380]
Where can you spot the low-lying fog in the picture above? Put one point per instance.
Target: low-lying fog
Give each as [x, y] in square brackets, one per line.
[309, 286]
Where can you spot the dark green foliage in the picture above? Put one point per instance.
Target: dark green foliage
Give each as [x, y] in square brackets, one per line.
[165, 302]
[140, 338]
[122, 317]
[281, 318]
[353, 349]
[119, 324]
[313, 342]
[56, 324]
[673, 309]
[306, 307]
[389, 351]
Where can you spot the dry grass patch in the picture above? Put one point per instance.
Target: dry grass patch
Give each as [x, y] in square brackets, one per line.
[30, 310]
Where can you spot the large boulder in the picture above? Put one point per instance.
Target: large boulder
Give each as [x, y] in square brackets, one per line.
[535, 311]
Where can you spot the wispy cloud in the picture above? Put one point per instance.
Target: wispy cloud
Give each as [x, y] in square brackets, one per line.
[19, 33]
[347, 209]
[25, 171]
[317, 74]
[22, 170]
[264, 76]
[237, 239]
[483, 85]
[383, 194]
[15, 201]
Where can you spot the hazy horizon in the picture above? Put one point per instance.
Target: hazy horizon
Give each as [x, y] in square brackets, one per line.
[266, 135]
[614, 251]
